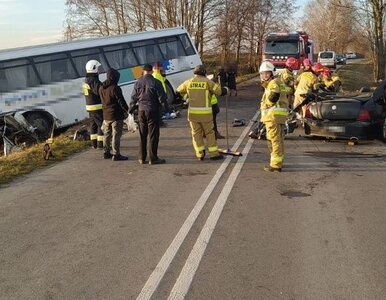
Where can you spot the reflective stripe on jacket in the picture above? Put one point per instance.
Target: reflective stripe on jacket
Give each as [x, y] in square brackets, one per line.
[199, 90]
[274, 112]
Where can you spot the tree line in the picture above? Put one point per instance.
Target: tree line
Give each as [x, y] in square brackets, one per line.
[234, 30]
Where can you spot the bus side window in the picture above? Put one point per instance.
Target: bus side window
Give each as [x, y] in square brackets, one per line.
[153, 54]
[171, 47]
[187, 45]
[54, 68]
[81, 57]
[147, 52]
[18, 75]
[121, 59]
[3, 82]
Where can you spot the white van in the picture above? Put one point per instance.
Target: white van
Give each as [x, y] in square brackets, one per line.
[327, 58]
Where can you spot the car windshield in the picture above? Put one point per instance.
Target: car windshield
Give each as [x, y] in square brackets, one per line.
[281, 47]
[326, 55]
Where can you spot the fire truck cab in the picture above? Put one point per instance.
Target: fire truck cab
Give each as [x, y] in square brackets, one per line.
[278, 47]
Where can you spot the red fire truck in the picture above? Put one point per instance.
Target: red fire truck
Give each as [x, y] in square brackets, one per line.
[281, 45]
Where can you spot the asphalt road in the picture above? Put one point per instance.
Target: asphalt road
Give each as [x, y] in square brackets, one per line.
[89, 228]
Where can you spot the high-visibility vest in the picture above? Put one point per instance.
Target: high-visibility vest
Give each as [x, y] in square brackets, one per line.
[274, 112]
[200, 90]
[157, 75]
[213, 100]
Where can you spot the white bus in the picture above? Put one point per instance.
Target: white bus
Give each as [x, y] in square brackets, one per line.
[39, 84]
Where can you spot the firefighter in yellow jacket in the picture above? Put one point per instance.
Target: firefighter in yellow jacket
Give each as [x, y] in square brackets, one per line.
[329, 82]
[274, 112]
[306, 82]
[199, 90]
[287, 77]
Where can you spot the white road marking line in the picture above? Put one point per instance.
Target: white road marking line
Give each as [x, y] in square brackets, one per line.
[181, 287]
[161, 268]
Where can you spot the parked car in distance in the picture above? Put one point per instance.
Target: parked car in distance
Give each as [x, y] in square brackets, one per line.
[351, 55]
[327, 58]
[352, 118]
[341, 59]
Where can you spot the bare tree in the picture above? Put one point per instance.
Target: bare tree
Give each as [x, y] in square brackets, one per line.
[372, 20]
[341, 24]
[326, 21]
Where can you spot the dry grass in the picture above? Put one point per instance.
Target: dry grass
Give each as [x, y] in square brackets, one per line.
[356, 75]
[24, 162]
[246, 77]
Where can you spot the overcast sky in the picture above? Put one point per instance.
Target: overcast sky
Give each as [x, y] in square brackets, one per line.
[31, 22]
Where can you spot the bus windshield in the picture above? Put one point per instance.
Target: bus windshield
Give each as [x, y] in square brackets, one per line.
[281, 47]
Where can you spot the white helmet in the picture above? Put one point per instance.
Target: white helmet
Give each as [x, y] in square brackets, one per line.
[267, 66]
[92, 66]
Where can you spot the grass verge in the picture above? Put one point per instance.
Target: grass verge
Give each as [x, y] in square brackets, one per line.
[24, 162]
[356, 75]
[246, 77]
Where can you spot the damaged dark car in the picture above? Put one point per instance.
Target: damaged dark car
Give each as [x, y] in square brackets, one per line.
[351, 118]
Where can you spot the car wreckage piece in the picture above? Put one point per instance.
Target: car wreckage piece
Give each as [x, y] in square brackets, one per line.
[18, 133]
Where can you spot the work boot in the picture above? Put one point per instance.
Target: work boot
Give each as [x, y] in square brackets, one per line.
[119, 157]
[100, 145]
[218, 157]
[107, 155]
[272, 169]
[158, 161]
[201, 158]
[218, 136]
[94, 144]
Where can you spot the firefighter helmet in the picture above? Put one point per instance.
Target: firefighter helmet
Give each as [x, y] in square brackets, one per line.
[291, 63]
[267, 66]
[318, 68]
[326, 71]
[92, 66]
[307, 63]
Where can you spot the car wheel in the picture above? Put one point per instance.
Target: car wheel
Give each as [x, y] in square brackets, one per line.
[41, 122]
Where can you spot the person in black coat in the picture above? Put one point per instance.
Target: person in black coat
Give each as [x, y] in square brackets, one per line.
[115, 110]
[149, 95]
[231, 80]
[221, 77]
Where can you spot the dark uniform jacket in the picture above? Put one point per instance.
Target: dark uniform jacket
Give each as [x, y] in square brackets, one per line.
[114, 104]
[149, 94]
[91, 92]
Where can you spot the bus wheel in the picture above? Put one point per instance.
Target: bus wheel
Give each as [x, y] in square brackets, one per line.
[42, 122]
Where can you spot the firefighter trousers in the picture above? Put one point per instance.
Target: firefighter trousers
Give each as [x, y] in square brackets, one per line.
[96, 133]
[199, 130]
[275, 141]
